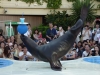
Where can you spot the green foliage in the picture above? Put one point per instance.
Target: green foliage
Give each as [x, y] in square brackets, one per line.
[76, 10]
[42, 28]
[71, 0]
[57, 18]
[54, 4]
[32, 1]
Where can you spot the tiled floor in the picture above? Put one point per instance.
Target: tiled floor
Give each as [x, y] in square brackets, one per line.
[73, 67]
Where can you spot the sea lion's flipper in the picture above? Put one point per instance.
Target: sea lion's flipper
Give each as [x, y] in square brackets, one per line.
[84, 12]
[55, 64]
[30, 44]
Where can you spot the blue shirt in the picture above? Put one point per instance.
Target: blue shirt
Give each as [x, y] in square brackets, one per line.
[51, 32]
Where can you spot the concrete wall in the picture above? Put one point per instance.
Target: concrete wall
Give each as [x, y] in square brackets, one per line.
[17, 8]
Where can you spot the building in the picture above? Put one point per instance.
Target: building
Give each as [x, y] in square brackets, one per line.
[33, 14]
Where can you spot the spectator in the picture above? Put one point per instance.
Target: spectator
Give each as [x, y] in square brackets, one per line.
[2, 45]
[12, 38]
[95, 51]
[42, 42]
[71, 54]
[91, 43]
[16, 52]
[25, 55]
[75, 45]
[79, 45]
[61, 31]
[86, 33]
[20, 47]
[7, 53]
[98, 38]
[80, 50]
[9, 42]
[55, 27]
[95, 32]
[87, 51]
[36, 35]
[40, 35]
[1, 38]
[68, 28]
[29, 30]
[51, 33]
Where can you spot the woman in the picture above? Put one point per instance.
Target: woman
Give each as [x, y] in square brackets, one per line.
[12, 38]
[2, 45]
[7, 53]
[60, 32]
[8, 42]
[86, 33]
[16, 52]
[35, 36]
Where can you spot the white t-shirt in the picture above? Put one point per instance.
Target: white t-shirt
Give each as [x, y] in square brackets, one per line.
[60, 33]
[86, 34]
[21, 53]
[97, 32]
[98, 38]
[27, 34]
[85, 54]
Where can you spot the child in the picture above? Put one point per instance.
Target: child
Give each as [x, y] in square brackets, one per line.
[40, 35]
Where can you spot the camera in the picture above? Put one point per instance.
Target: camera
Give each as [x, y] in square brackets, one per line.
[93, 53]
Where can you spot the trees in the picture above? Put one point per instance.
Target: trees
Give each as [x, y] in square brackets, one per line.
[76, 8]
[59, 18]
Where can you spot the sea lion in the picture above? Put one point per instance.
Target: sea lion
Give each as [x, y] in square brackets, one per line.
[57, 48]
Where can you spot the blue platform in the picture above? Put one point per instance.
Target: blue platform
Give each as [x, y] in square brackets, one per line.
[5, 63]
[95, 59]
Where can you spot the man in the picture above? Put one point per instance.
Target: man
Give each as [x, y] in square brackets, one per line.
[86, 33]
[96, 32]
[87, 51]
[25, 55]
[55, 27]
[51, 33]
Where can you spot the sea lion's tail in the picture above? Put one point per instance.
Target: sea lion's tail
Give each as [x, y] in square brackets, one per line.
[84, 12]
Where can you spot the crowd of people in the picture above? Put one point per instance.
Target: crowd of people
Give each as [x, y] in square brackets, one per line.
[86, 44]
